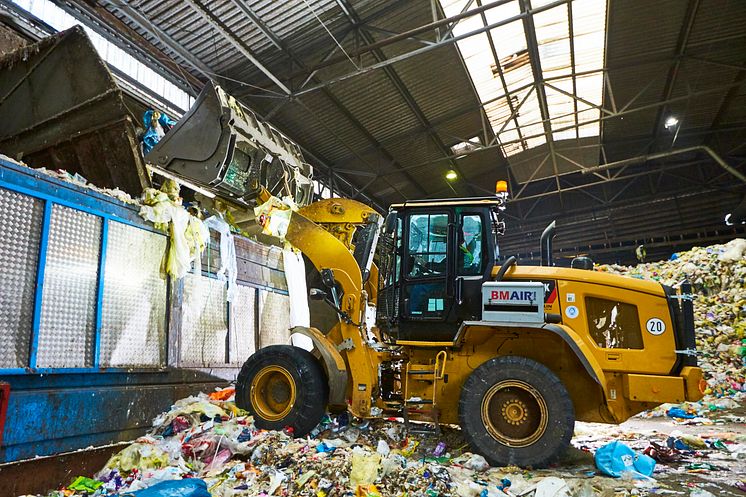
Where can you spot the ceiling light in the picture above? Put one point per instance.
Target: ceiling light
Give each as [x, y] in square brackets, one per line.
[451, 175]
[671, 122]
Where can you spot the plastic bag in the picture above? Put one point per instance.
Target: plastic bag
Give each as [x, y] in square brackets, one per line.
[179, 257]
[274, 217]
[477, 463]
[228, 266]
[615, 459]
[677, 412]
[383, 448]
[187, 233]
[552, 487]
[192, 487]
[139, 455]
[364, 469]
[295, 275]
[156, 126]
[83, 484]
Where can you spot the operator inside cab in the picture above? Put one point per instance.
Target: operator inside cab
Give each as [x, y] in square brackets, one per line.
[428, 237]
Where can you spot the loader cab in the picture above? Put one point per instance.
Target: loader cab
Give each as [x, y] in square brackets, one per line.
[433, 257]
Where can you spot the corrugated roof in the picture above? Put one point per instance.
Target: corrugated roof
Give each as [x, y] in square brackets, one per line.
[659, 59]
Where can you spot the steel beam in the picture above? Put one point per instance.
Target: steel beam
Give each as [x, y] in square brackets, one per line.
[717, 63]
[428, 48]
[453, 25]
[221, 28]
[341, 108]
[577, 99]
[392, 33]
[530, 178]
[602, 182]
[571, 37]
[661, 155]
[375, 201]
[732, 93]
[136, 17]
[686, 29]
[534, 58]
[401, 88]
[126, 38]
[244, 7]
[501, 74]
[638, 109]
[339, 139]
[735, 84]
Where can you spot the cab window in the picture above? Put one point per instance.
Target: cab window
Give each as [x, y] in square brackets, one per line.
[426, 300]
[427, 245]
[470, 246]
[613, 324]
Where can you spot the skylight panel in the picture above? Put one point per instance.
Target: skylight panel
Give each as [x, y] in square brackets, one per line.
[502, 87]
[473, 143]
[174, 98]
[553, 37]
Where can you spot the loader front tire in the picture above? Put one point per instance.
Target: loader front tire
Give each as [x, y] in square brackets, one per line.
[283, 386]
[515, 411]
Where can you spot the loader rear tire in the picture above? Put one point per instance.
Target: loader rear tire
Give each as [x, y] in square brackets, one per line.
[515, 411]
[283, 386]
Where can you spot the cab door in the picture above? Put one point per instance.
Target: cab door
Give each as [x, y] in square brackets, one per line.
[473, 262]
[427, 285]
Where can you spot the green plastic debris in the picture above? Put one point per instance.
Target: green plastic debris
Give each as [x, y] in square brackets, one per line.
[83, 484]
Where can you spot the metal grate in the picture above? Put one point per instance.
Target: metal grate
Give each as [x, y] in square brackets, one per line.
[68, 312]
[204, 322]
[133, 321]
[20, 231]
[242, 320]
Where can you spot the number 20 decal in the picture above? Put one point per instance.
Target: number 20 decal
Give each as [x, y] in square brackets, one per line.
[655, 326]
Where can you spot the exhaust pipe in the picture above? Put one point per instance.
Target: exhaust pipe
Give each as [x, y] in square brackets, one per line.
[546, 245]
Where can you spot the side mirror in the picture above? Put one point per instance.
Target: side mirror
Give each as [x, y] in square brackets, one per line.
[390, 222]
[316, 294]
[327, 278]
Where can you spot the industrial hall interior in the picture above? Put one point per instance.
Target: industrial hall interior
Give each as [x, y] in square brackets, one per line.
[372, 248]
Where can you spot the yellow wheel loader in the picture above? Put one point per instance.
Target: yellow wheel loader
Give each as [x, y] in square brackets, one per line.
[427, 325]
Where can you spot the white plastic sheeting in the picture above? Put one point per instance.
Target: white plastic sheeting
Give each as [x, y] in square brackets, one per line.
[300, 315]
[228, 267]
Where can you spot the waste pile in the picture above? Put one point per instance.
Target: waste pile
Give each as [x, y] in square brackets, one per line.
[205, 446]
[718, 276]
[78, 180]
[688, 461]
[208, 439]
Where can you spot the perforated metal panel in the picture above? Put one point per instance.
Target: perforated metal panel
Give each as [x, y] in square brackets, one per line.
[204, 322]
[66, 332]
[242, 318]
[20, 230]
[274, 319]
[133, 321]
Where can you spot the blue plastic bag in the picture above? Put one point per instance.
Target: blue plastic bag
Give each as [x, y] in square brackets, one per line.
[191, 487]
[677, 412]
[152, 134]
[615, 458]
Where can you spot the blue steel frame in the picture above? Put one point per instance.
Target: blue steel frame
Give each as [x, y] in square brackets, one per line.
[54, 191]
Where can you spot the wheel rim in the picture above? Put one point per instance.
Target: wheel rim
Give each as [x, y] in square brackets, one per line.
[514, 413]
[273, 393]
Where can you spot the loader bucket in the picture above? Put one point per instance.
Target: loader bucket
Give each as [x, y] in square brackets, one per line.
[222, 145]
[62, 109]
